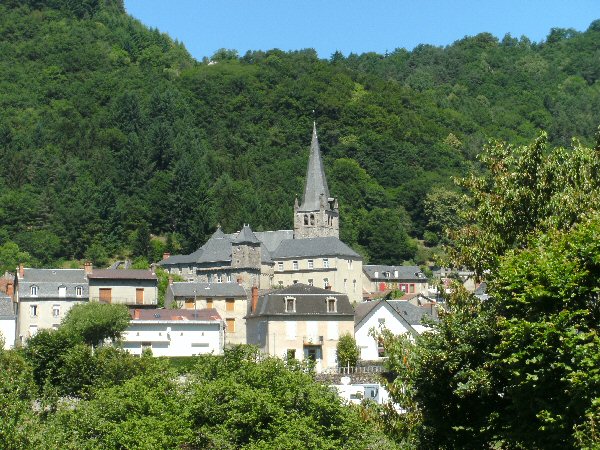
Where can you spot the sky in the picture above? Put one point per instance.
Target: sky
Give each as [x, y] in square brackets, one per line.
[352, 25]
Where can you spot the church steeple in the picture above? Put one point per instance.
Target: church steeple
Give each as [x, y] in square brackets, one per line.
[315, 184]
[318, 215]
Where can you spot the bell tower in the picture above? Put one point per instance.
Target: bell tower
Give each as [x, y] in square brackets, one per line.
[319, 214]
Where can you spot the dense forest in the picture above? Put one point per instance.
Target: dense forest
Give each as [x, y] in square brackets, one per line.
[116, 142]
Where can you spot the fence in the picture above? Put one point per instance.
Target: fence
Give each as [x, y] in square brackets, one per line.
[353, 370]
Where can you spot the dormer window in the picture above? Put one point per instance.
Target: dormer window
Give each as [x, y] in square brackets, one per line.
[295, 265]
[62, 291]
[78, 291]
[290, 304]
[376, 275]
[331, 305]
[326, 263]
[33, 291]
[386, 274]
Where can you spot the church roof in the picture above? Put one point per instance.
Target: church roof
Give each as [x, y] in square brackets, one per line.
[246, 236]
[316, 183]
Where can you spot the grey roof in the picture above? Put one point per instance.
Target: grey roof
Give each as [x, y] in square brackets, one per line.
[272, 239]
[363, 309]
[216, 249]
[122, 274]
[481, 289]
[413, 314]
[315, 184]
[246, 236]
[183, 289]
[49, 280]
[6, 307]
[174, 314]
[405, 273]
[310, 301]
[317, 247]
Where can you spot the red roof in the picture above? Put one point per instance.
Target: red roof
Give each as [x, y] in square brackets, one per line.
[175, 314]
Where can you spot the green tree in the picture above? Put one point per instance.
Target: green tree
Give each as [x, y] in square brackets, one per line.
[347, 351]
[95, 322]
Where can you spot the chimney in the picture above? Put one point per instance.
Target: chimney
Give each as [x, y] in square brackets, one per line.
[170, 281]
[166, 255]
[21, 270]
[10, 289]
[88, 267]
[254, 298]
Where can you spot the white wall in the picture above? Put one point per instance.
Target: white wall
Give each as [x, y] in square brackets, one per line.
[174, 338]
[366, 343]
[8, 329]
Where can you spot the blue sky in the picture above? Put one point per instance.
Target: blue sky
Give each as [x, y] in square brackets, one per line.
[352, 25]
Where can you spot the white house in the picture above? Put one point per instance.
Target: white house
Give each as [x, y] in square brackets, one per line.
[175, 332]
[397, 316]
[8, 321]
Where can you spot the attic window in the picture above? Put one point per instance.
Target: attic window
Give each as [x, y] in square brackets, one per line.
[78, 291]
[34, 291]
[331, 305]
[290, 304]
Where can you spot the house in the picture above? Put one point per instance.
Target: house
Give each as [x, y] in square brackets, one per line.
[381, 278]
[174, 332]
[129, 287]
[43, 297]
[229, 300]
[300, 321]
[397, 316]
[8, 320]
[311, 253]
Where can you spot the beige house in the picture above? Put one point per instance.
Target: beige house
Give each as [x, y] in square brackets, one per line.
[302, 322]
[43, 297]
[129, 287]
[229, 300]
[311, 253]
[381, 278]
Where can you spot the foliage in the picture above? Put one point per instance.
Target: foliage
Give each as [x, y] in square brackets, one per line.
[163, 283]
[96, 322]
[347, 351]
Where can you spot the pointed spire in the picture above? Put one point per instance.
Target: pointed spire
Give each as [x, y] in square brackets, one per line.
[316, 183]
[246, 236]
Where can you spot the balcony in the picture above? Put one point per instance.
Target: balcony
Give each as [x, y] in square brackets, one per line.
[312, 340]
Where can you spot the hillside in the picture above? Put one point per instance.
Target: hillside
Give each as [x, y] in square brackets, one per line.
[110, 130]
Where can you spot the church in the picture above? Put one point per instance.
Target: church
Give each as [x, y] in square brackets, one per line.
[311, 253]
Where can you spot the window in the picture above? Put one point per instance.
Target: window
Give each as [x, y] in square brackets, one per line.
[209, 303]
[62, 291]
[331, 305]
[78, 291]
[295, 281]
[349, 264]
[280, 266]
[32, 330]
[412, 288]
[33, 310]
[312, 219]
[310, 264]
[189, 303]
[280, 283]
[210, 277]
[34, 291]
[311, 282]
[386, 274]
[229, 278]
[305, 219]
[295, 265]
[376, 275]
[219, 278]
[345, 283]
[353, 285]
[230, 325]
[230, 304]
[326, 263]
[380, 348]
[290, 304]
[55, 310]
[325, 282]
[381, 321]
[139, 296]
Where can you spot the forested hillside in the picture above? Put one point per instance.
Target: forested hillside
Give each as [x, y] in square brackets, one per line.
[110, 131]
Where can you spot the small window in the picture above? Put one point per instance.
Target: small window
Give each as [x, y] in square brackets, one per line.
[219, 278]
[230, 304]
[412, 288]
[353, 285]
[56, 311]
[62, 291]
[295, 265]
[189, 303]
[209, 303]
[325, 282]
[280, 266]
[230, 325]
[305, 219]
[376, 275]
[349, 264]
[312, 219]
[290, 304]
[331, 305]
[280, 283]
[33, 310]
[311, 264]
[326, 263]
[381, 320]
[229, 278]
[345, 283]
[34, 291]
[78, 291]
[295, 281]
[311, 282]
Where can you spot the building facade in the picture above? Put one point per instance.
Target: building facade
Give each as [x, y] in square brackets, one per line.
[381, 278]
[129, 287]
[8, 321]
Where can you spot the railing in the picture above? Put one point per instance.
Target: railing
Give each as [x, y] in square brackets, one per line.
[312, 340]
[123, 300]
[353, 370]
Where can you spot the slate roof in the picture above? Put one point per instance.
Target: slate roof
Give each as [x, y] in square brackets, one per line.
[175, 314]
[216, 249]
[413, 314]
[316, 182]
[183, 289]
[49, 280]
[405, 273]
[124, 274]
[246, 236]
[6, 307]
[272, 239]
[363, 309]
[316, 247]
[310, 301]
